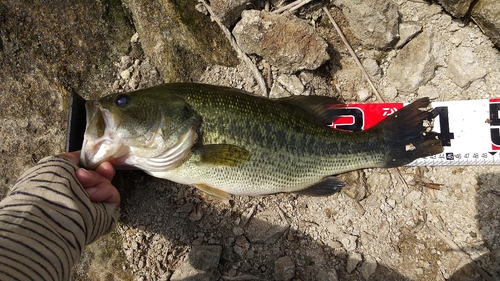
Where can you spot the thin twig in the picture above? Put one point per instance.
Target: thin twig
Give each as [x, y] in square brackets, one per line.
[291, 5]
[299, 5]
[248, 216]
[269, 79]
[353, 54]
[399, 176]
[241, 54]
[457, 249]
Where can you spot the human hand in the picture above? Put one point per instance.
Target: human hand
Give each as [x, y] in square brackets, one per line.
[96, 183]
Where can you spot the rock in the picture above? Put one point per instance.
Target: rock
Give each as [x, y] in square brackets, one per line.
[374, 22]
[464, 67]
[368, 267]
[229, 11]
[348, 242]
[429, 91]
[390, 93]
[284, 269]
[328, 273]
[242, 246]
[286, 42]
[352, 261]
[458, 8]
[199, 265]
[125, 74]
[407, 31]
[364, 94]
[414, 65]
[238, 230]
[372, 68]
[174, 36]
[285, 86]
[134, 38]
[495, 256]
[486, 13]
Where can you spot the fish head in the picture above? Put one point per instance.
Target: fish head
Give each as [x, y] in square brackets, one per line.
[129, 128]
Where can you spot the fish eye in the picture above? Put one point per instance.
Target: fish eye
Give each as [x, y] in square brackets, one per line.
[122, 100]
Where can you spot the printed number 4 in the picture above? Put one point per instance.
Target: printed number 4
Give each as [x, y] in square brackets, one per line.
[444, 123]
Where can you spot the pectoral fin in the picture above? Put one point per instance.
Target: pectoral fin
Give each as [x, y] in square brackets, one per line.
[327, 186]
[223, 154]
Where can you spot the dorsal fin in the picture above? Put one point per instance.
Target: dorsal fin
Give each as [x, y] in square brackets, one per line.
[318, 106]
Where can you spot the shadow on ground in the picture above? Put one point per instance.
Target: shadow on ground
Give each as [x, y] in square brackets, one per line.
[488, 220]
[181, 215]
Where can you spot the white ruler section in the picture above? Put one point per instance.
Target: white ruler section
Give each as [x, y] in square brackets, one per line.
[469, 129]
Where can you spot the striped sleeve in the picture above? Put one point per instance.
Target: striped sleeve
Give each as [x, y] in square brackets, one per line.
[46, 221]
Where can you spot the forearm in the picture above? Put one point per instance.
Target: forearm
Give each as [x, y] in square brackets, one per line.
[46, 221]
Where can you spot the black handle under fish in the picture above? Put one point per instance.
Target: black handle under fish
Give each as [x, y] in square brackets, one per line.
[76, 122]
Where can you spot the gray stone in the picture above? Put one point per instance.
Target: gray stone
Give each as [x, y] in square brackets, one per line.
[407, 31]
[364, 94]
[463, 67]
[486, 13]
[229, 11]
[327, 274]
[429, 91]
[174, 36]
[390, 93]
[285, 86]
[458, 8]
[374, 22]
[414, 65]
[288, 43]
[199, 265]
[284, 269]
[372, 68]
[352, 261]
[349, 242]
[368, 267]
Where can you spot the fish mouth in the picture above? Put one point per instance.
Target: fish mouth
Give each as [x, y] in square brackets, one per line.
[98, 141]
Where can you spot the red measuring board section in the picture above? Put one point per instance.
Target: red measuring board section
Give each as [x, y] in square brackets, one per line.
[362, 116]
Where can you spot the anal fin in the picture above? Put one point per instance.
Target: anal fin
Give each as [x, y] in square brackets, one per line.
[214, 192]
[326, 186]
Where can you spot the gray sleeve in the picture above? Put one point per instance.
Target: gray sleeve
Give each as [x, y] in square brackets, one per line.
[46, 221]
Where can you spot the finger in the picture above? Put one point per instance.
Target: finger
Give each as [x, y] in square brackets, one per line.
[106, 170]
[72, 156]
[104, 192]
[89, 178]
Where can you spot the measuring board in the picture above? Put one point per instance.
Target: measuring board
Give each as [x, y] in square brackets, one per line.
[469, 130]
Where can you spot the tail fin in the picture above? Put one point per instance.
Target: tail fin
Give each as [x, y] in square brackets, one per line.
[408, 134]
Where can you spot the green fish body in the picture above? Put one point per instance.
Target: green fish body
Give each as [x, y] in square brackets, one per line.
[226, 141]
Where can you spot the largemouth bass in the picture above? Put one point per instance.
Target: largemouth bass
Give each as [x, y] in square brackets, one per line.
[227, 141]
